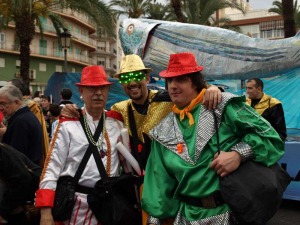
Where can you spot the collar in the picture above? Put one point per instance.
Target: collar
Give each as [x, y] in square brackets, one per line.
[186, 111]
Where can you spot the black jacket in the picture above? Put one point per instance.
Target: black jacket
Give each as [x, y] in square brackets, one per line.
[24, 133]
[20, 177]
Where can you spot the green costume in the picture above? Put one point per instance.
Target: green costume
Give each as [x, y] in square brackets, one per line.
[170, 174]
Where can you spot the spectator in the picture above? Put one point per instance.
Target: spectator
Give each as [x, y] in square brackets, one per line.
[37, 111]
[53, 114]
[37, 94]
[45, 104]
[24, 132]
[268, 107]
[66, 95]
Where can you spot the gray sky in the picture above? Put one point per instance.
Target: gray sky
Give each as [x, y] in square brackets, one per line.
[261, 4]
[256, 4]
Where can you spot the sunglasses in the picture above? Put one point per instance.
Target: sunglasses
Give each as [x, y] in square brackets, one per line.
[132, 76]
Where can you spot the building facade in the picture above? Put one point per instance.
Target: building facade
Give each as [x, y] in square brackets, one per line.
[88, 47]
[256, 23]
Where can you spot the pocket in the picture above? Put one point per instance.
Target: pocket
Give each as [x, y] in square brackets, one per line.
[64, 199]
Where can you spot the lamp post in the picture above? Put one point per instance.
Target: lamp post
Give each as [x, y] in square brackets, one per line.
[65, 38]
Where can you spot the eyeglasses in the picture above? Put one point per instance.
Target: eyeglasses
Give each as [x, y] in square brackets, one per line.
[4, 104]
[132, 76]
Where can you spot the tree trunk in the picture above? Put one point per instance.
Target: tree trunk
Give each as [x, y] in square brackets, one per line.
[176, 4]
[288, 17]
[25, 31]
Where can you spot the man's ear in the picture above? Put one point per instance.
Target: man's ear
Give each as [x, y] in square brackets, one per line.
[148, 78]
[80, 90]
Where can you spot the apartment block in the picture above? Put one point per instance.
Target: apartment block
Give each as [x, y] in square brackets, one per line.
[89, 46]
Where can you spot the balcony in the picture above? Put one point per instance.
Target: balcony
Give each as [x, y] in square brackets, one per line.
[47, 53]
[251, 15]
[81, 18]
[106, 52]
[104, 37]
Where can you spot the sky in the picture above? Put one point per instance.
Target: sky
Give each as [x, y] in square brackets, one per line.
[256, 4]
[261, 4]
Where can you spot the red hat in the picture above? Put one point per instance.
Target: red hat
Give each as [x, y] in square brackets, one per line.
[181, 64]
[93, 76]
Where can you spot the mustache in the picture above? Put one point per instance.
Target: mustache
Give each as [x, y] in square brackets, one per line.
[97, 98]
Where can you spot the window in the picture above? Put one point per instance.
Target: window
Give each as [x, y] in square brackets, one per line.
[2, 62]
[102, 63]
[58, 68]
[56, 49]
[2, 40]
[43, 47]
[42, 67]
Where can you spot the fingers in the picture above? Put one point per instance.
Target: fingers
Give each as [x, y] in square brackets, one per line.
[208, 99]
[212, 97]
[226, 162]
[214, 162]
[217, 99]
[70, 110]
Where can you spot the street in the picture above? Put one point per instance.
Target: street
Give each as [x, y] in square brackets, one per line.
[288, 214]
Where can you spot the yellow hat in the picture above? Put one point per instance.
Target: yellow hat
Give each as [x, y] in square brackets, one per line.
[131, 63]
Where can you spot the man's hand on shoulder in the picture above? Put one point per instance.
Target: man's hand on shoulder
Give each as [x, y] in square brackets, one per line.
[212, 97]
[70, 110]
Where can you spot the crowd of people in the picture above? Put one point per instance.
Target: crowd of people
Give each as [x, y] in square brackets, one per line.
[171, 133]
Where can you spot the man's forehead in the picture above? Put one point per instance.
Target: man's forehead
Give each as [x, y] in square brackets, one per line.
[251, 83]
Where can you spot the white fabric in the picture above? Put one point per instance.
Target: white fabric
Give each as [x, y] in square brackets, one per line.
[69, 148]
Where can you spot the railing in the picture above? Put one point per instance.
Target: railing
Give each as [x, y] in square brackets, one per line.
[79, 16]
[106, 51]
[75, 35]
[47, 52]
[83, 38]
[251, 15]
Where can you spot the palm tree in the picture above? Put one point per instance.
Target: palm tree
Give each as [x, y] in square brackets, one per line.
[160, 11]
[177, 6]
[288, 18]
[26, 14]
[289, 10]
[130, 8]
[204, 11]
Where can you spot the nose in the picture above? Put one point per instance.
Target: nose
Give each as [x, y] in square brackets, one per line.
[172, 83]
[98, 90]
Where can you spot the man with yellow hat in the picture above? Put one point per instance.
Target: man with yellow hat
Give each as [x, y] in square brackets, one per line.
[69, 145]
[183, 169]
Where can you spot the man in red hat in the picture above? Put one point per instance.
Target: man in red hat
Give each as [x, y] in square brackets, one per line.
[183, 169]
[70, 143]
